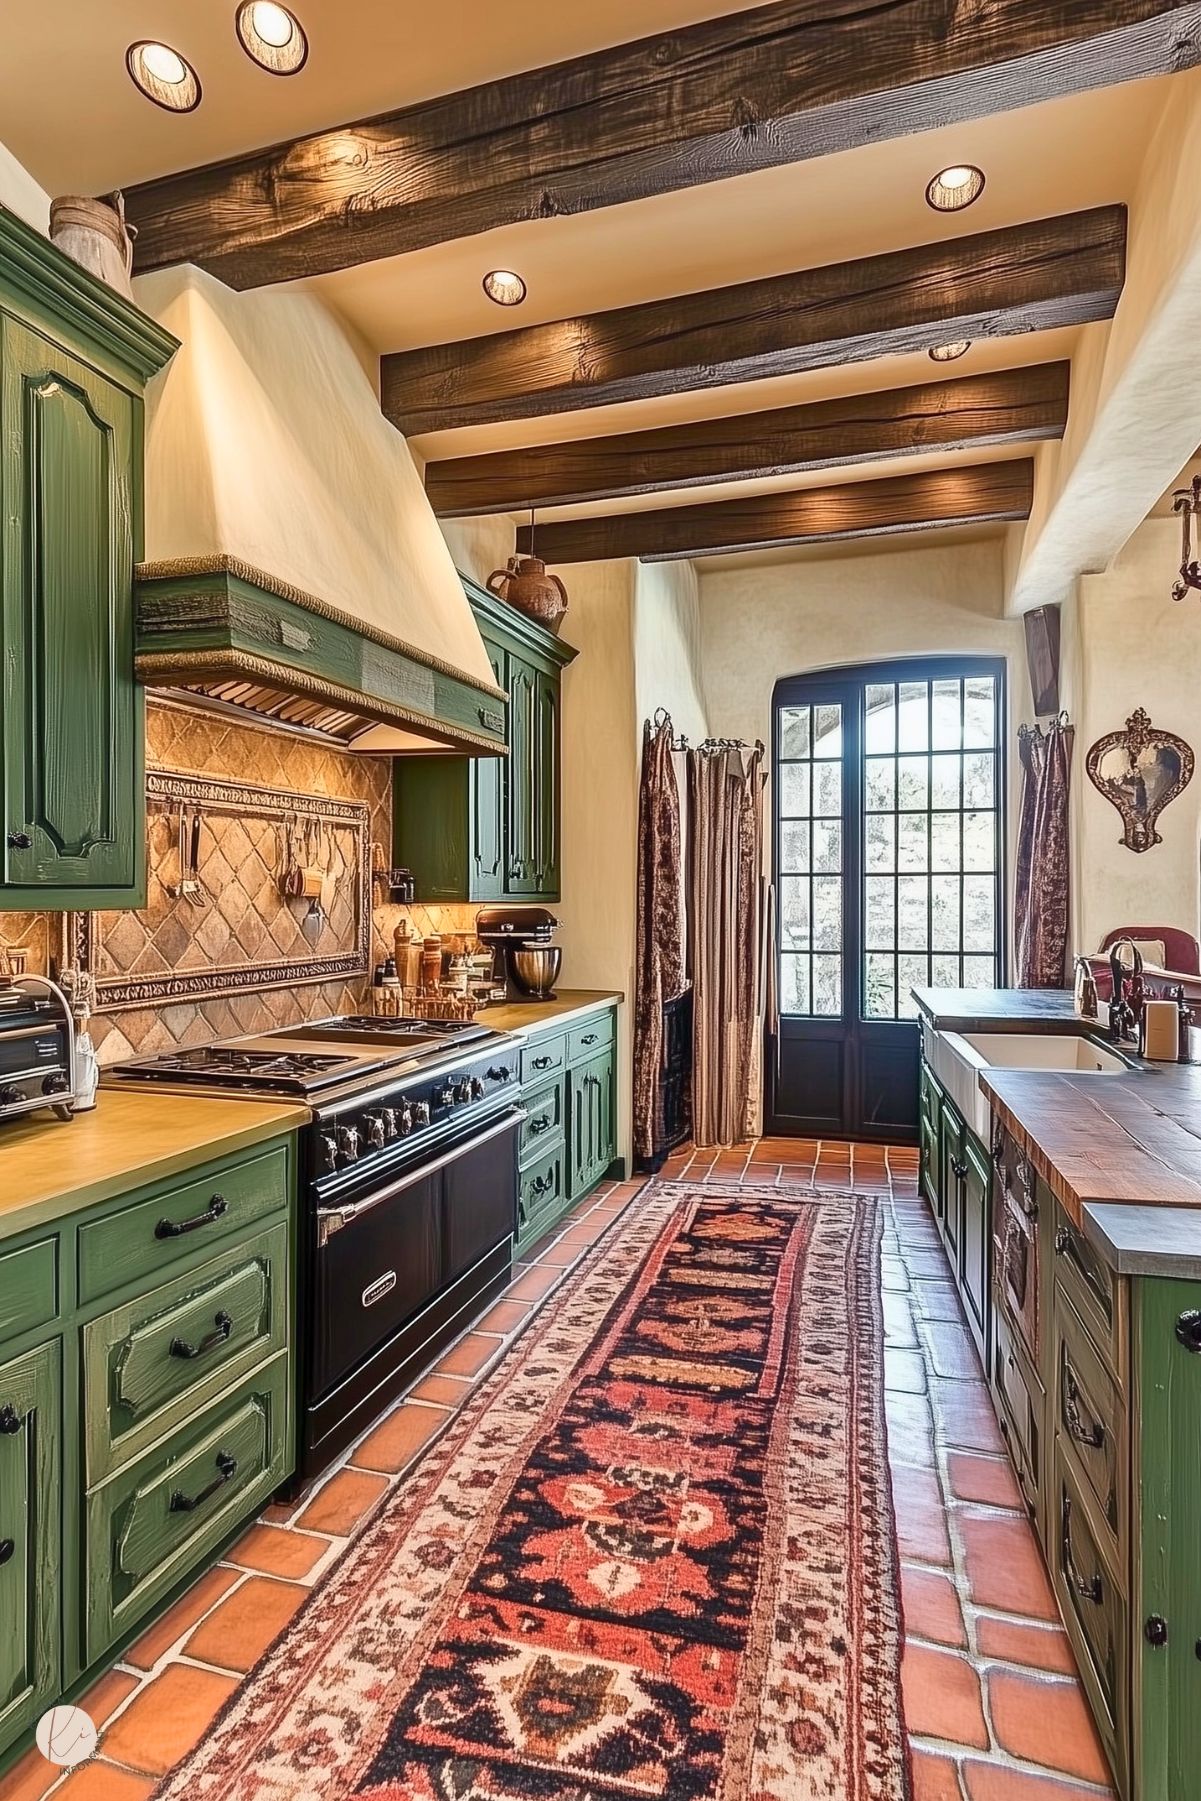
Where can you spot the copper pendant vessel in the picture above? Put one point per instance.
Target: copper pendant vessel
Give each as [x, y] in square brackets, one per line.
[525, 584]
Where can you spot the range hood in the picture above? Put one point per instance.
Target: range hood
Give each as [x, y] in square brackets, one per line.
[294, 569]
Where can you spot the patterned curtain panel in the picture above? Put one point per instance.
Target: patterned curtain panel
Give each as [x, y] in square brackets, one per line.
[1042, 890]
[659, 974]
[726, 923]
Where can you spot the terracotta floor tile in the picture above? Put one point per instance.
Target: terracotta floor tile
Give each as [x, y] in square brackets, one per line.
[952, 1352]
[29, 1778]
[100, 1781]
[562, 1254]
[105, 1696]
[397, 1440]
[171, 1714]
[899, 1330]
[904, 1371]
[505, 1317]
[932, 1609]
[938, 1301]
[1041, 1647]
[993, 1782]
[446, 1391]
[910, 1430]
[921, 1518]
[205, 1593]
[964, 1417]
[894, 1277]
[343, 1503]
[235, 1634]
[986, 1479]
[586, 1233]
[533, 1284]
[277, 1551]
[935, 1778]
[1045, 1721]
[1005, 1569]
[942, 1697]
[468, 1357]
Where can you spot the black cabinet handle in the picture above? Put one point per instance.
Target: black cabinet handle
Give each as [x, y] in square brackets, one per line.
[227, 1467]
[589, 1038]
[1066, 1246]
[10, 1420]
[1089, 1588]
[960, 1170]
[542, 1184]
[1188, 1331]
[543, 1123]
[1091, 1437]
[542, 1063]
[223, 1324]
[169, 1228]
[7, 1547]
[19, 841]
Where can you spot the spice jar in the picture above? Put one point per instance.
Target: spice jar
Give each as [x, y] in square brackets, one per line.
[431, 962]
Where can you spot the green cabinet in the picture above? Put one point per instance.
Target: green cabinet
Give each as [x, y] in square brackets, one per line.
[30, 1540]
[488, 828]
[975, 1238]
[956, 1180]
[73, 359]
[591, 1105]
[569, 1139]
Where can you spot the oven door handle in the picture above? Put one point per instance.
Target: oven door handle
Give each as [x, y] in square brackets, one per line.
[332, 1219]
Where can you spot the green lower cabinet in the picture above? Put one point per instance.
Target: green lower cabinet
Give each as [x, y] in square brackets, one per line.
[30, 1537]
[591, 1112]
[569, 1141]
[975, 1260]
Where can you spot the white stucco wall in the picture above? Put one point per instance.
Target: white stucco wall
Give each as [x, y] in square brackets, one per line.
[478, 546]
[667, 646]
[21, 193]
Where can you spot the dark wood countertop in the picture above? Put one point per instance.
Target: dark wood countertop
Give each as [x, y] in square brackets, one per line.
[1002, 1010]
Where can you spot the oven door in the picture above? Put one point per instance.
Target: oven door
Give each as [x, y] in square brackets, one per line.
[383, 1254]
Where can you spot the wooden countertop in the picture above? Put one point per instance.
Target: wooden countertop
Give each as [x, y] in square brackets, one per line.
[568, 1005]
[50, 1168]
[1002, 1010]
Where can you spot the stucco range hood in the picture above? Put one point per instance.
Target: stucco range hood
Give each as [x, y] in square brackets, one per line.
[294, 569]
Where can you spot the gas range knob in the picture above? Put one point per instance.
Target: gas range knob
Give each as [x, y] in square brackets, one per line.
[464, 1090]
[404, 1120]
[478, 1088]
[421, 1113]
[329, 1151]
[348, 1143]
[500, 1072]
[445, 1097]
[391, 1123]
[56, 1082]
[10, 1094]
[377, 1132]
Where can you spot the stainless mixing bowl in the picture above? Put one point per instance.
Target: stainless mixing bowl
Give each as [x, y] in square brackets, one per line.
[535, 970]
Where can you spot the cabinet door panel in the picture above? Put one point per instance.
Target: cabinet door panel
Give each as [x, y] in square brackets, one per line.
[29, 1537]
[951, 1162]
[72, 739]
[976, 1238]
[545, 797]
[489, 799]
[521, 873]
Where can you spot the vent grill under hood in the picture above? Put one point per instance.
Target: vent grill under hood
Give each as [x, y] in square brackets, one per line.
[294, 567]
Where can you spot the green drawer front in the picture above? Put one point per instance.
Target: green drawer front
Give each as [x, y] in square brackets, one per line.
[541, 1196]
[541, 1059]
[1094, 1612]
[544, 1126]
[158, 1519]
[1020, 1411]
[929, 1158]
[28, 1287]
[1091, 1287]
[147, 1237]
[1091, 1422]
[30, 1495]
[590, 1038]
[155, 1363]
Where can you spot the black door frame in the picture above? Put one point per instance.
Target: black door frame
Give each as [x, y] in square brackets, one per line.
[846, 684]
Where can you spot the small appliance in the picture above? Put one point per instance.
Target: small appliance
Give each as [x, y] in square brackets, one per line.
[37, 1048]
[520, 940]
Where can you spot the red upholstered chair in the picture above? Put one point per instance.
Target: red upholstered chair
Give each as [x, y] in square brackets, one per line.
[1181, 958]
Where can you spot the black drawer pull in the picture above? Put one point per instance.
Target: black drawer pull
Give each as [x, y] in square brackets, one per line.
[1089, 1588]
[543, 1123]
[169, 1228]
[223, 1324]
[1188, 1331]
[542, 1063]
[227, 1467]
[1092, 1437]
[10, 1420]
[589, 1038]
[19, 841]
[960, 1169]
[7, 1547]
[1066, 1245]
[542, 1184]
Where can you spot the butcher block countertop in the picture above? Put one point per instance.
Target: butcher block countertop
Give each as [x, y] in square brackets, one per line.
[568, 1005]
[50, 1167]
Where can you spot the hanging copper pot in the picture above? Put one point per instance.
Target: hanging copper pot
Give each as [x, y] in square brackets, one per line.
[525, 584]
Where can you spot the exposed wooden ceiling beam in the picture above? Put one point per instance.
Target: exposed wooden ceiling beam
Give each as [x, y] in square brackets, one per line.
[1009, 406]
[989, 492]
[1053, 272]
[776, 85]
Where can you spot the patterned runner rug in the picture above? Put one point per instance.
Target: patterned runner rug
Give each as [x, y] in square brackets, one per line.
[653, 1559]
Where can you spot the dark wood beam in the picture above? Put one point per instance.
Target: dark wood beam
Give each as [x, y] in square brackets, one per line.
[989, 492]
[1010, 406]
[776, 85]
[1052, 272]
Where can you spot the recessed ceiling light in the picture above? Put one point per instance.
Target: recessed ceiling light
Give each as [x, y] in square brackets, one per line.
[950, 353]
[272, 36]
[164, 76]
[953, 189]
[504, 286]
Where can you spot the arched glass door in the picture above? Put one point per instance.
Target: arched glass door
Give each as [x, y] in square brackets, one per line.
[888, 790]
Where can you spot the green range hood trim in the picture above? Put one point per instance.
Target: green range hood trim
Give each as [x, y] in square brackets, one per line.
[221, 629]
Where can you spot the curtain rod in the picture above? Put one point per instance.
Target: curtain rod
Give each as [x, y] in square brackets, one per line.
[679, 742]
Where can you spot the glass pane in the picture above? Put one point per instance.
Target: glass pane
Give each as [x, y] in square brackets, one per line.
[978, 781]
[944, 913]
[912, 972]
[794, 790]
[794, 731]
[827, 845]
[880, 986]
[794, 847]
[980, 713]
[944, 841]
[794, 913]
[913, 846]
[827, 790]
[828, 732]
[880, 840]
[913, 783]
[979, 972]
[948, 728]
[794, 984]
[913, 912]
[980, 841]
[827, 987]
[913, 717]
[979, 913]
[881, 786]
[827, 913]
[944, 972]
[881, 714]
[880, 920]
[944, 781]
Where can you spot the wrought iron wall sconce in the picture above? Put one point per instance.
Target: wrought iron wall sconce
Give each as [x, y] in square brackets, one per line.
[1187, 502]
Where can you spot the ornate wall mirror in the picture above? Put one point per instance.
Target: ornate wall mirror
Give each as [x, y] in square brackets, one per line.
[1140, 771]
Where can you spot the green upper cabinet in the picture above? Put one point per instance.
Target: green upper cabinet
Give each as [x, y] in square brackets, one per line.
[73, 361]
[487, 828]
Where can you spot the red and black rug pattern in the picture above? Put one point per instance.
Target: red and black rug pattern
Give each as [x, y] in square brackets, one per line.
[679, 1585]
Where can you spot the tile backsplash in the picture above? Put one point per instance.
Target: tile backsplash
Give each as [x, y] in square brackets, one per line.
[197, 742]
